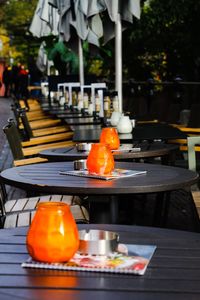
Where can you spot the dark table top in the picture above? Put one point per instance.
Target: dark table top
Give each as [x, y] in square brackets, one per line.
[173, 273]
[72, 116]
[93, 135]
[103, 195]
[147, 151]
[148, 132]
[45, 177]
[82, 121]
[60, 111]
[68, 113]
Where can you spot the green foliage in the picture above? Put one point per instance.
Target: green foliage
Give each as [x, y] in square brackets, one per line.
[16, 17]
[163, 43]
[66, 55]
[169, 27]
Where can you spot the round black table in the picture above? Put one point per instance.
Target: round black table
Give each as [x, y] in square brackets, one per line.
[93, 135]
[82, 121]
[173, 272]
[147, 132]
[45, 178]
[165, 151]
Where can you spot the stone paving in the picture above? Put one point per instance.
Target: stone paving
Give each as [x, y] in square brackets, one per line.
[5, 153]
[5, 113]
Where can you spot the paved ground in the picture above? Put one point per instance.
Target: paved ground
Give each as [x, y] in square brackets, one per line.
[5, 113]
[5, 153]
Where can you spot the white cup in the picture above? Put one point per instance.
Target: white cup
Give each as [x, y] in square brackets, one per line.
[133, 123]
[115, 118]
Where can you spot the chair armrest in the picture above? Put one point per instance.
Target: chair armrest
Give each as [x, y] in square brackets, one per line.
[36, 149]
[47, 139]
[50, 130]
[27, 161]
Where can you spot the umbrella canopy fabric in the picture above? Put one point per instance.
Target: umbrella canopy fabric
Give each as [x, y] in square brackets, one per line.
[85, 19]
[112, 24]
[42, 58]
[73, 13]
[45, 20]
[57, 17]
[73, 18]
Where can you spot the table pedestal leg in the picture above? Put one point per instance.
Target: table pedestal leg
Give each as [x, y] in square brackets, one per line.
[103, 209]
[114, 209]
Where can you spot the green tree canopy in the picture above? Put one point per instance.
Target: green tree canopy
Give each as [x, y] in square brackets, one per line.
[166, 38]
[163, 43]
[16, 17]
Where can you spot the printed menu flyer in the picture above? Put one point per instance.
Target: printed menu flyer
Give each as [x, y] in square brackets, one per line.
[129, 259]
[117, 173]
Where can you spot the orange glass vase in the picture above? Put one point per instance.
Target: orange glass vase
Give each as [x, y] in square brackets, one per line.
[53, 234]
[100, 159]
[110, 137]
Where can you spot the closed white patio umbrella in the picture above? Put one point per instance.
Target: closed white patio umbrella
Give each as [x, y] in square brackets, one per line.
[84, 16]
[73, 14]
[118, 11]
[56, 17]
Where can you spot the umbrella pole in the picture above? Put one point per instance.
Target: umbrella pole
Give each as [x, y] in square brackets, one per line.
[118, 60]
[81, 64]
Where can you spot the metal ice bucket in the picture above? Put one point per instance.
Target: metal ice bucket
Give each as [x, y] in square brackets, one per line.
[80, 164]
[98, 242]
[83, 147]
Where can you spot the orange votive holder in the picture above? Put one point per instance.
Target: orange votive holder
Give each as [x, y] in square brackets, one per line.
[110, 137]
[100, 159]
[53, 234]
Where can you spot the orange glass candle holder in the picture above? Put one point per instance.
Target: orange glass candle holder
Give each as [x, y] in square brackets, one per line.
[110, 137]
[100, 159]
[53, 234]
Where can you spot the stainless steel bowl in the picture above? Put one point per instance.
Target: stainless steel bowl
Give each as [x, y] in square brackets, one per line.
[83, 147]
[80, 164]
[98, 242]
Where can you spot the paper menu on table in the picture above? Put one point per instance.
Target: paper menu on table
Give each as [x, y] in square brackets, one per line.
[116, 174]
[133, 259]
[127, 148]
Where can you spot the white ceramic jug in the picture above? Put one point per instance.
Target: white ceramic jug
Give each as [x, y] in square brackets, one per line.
[115, 117]
[124, 125]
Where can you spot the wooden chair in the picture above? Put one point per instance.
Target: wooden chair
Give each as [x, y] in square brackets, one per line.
[20, 212]
[183, 143]
[31, 115]
[36, 117]
[28, 104]
[22, 152]
[47, 136]
[40, 124]
[28, 132]
[193, 125]
[191, 130]
[192, 165]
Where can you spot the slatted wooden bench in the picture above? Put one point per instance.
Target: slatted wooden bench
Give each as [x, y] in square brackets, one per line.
[20, 212]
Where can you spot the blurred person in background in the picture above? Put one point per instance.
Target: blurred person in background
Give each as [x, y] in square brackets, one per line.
[22, 79]
[15, 78]
[7, 80]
